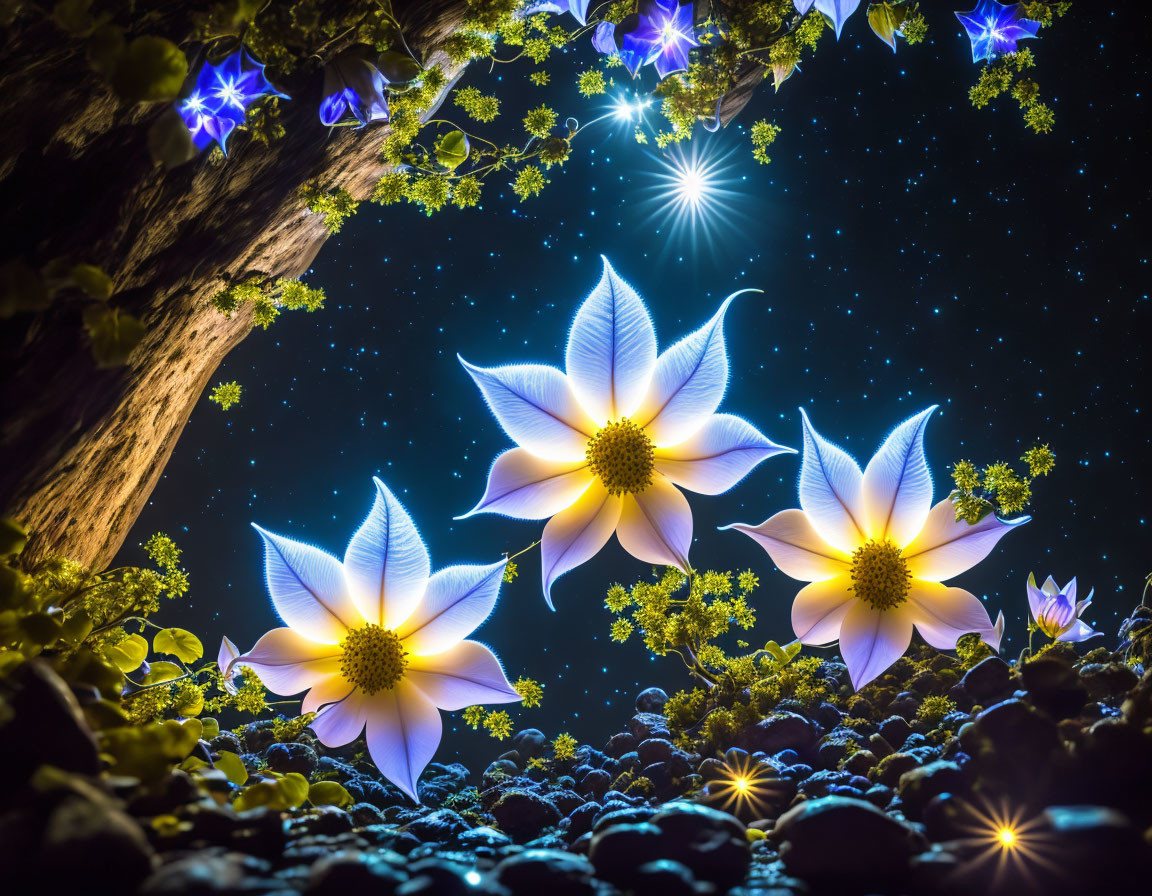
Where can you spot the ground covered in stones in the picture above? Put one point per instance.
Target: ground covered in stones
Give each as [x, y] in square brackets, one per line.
[1057, 752]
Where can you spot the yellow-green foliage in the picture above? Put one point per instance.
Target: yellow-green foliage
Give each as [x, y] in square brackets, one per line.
[934, 708]
[763, 135]
[564, 746]
[477, 105]
[591, 83]
[998, 487]
[226, 394]
[335, 206]
[267, 297]
[531, 692]
[529, 182]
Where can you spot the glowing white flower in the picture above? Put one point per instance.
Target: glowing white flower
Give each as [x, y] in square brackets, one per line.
[875, 551]
[603, 447]
[1057, 612]
[378, 642]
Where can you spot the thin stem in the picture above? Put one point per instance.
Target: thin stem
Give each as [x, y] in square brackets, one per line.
[525, 551]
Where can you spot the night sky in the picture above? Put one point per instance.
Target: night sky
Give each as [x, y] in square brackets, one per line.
[912, 251]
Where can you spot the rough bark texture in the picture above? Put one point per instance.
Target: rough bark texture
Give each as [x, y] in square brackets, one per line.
[81, 447]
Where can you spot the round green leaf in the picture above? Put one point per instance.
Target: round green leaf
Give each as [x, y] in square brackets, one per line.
[93, 281]
[452, 149]
[233, 767]
[128, 654]
[329, 793]
[294, 787]
[150, 70]
[21, 289]
[211, 727]
[12, 537]
[162, 671]
[183, 645]
[113, 334]
[398, 68]
[170, 141]
[258, 795]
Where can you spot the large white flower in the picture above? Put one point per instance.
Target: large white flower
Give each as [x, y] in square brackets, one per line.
[377, 642]
[875, 551]
[603, 448]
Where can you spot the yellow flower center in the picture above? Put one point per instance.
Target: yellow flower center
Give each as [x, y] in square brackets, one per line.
[880, 575]
[374, 658]
[621, 455]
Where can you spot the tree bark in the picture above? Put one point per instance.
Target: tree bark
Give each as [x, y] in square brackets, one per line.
[83, 447]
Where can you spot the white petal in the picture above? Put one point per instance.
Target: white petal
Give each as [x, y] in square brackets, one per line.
[404, 731]
[332, 689]
[819, 610]
[720, 454]
[1036, 597]
[228, 653]
[458, 599]
[308, 588]
[872, 640]
[796, 548]
[577, 534]
[945, 548]
[1049, 587]
[688, 384]
[831, 491]
[897, 486]
[527, 487]
[611, 350]
[1069, 590]
[340, 723]
[656, 525]
[288, 663]
[535, 405]
[468, 674]
[943, 614]
[386, 562]
[1079, 631]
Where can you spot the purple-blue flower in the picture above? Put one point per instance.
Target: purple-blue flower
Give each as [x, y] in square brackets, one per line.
[837, 11]
[1057, 612]
[578, 8]
[221, 97]
[353, 86]
[994, 28]
[661, 33]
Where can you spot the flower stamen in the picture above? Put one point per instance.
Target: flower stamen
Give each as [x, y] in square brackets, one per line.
[374, 658]
[622, 456]
[880, 575]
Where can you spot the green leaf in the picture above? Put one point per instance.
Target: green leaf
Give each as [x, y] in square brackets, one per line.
[93, 281]
[398, 68]
[150, 70]
[162, 671]
[233, 767]
[329, 793]
[113, 334]
[211, 727]
[886, 19]
[22, 288]
[170, 141]
[128, 654]
[294, 787]
[183, 645]
[452, 149]
[12, 537]
[259, 795]
[41, 629]
[76, 627]
[74, 17]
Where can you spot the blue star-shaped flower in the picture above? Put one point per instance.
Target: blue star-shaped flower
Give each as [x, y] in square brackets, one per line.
[994, 28]
[661, 33]
[353, 86]
[221, 97]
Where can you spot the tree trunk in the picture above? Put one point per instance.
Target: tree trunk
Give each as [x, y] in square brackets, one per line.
[83, 447]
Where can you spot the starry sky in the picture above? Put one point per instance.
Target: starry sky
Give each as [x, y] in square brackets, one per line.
[911, 250]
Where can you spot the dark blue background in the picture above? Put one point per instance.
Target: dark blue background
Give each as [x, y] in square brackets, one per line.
[912, 250]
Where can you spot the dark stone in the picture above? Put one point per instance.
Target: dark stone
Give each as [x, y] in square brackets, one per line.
[1014, 748]
[437, 827]
[529, 743]
[500, 770]
[710, 842]
[1054, 686]
[364, 814]
[615, 816]
[920, 785]
[644, 725]
[291, 757]
[618, 851]
[435, 877]
[258, 735]
[596, 783]
[654, 750]
[204, 875]
[1099, 850]
[324, 820]
[355, 872]
[651, 700]
[889, 770]
[482, 838]
[861, 762]
[619, 744]
[226, 740]
[580, 819]
[895, 730]
[86, 835]
[779, 731]
[988, 680]
[838, 841]
[664, 877]
[536, 872]
[523, 815]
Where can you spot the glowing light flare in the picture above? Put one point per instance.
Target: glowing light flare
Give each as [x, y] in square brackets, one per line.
[1007, 837]
[1009, 841]
[745, 787]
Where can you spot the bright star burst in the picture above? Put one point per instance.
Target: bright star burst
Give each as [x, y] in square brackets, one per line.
[1013, 844]
[691, 192]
